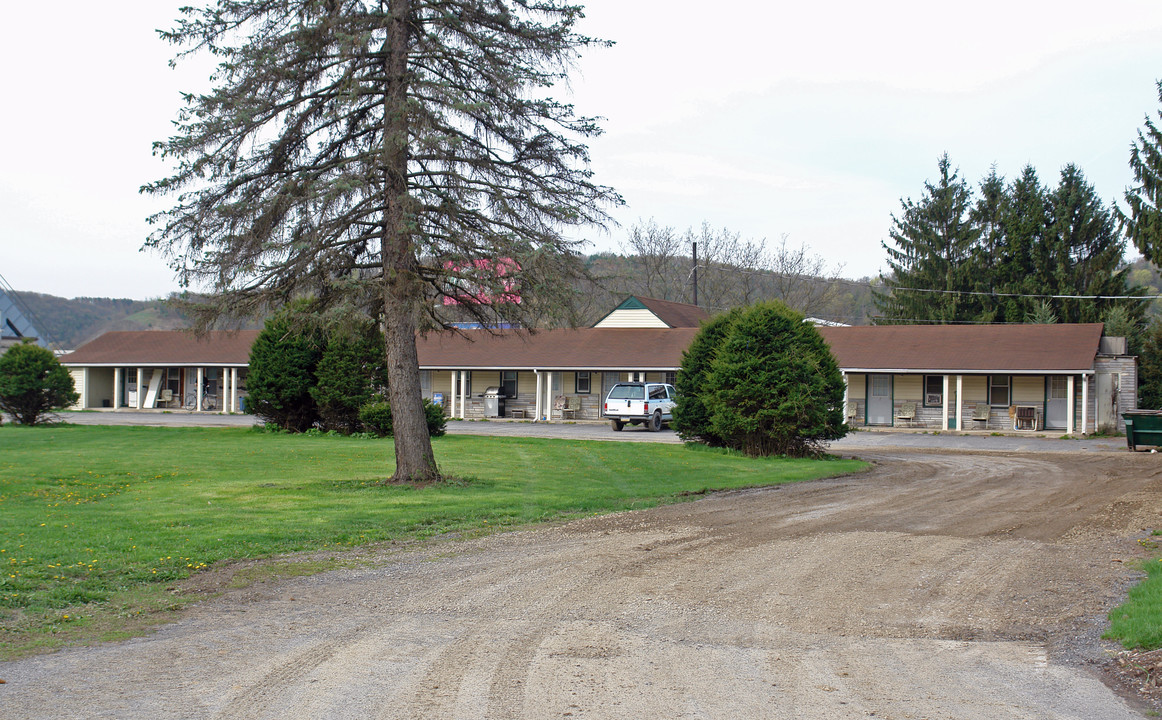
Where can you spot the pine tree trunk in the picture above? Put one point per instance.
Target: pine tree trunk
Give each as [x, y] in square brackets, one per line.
[414, 459]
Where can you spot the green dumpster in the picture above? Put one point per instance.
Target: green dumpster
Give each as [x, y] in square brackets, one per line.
[1143, 427]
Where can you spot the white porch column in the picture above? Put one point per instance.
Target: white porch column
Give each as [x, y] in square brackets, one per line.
[960, 402]
[548, 396]
[140, 388]
[233, 389]
[944, 405]
[116, 388]
[1084, 404]
[845, 394]
[85, 386]
[1072, 405]
[198, 394]
[540, 396]
[465, 391]
[453, 393]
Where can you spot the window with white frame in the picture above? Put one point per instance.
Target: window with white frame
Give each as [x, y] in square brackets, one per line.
[671, 377]
[933, 391]
[999, 395]
[582, 387]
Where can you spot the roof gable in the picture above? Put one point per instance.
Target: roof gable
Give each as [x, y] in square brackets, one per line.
[637, 311]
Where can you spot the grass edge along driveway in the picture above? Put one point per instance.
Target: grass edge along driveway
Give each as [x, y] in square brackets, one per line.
[103, 525]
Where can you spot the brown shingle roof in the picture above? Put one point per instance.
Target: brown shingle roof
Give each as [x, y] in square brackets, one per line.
[165, 347]
[675, 314]
[580, 349]
[965, 348]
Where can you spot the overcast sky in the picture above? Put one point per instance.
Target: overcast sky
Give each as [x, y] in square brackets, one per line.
[807, 119]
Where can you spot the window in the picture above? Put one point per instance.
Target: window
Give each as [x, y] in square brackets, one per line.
[508, 383]
[933, 391]
[670, 377]
[999, 390]
[658, 392]
[627, 392]
[582, 387]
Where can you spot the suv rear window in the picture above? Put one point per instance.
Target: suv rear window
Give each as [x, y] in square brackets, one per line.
[627, 392]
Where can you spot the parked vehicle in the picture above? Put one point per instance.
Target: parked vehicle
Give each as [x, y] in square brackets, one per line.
[639, 402]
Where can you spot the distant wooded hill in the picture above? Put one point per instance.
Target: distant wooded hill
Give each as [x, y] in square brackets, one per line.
[69, 323]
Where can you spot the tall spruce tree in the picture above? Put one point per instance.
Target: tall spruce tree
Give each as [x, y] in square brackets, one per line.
[387, 154]
[1143, 224]
[933, 242]
[1022, 260]
[1085, 250]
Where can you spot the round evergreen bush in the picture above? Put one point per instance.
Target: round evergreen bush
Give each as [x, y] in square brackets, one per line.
[772, 386]
[33, 384]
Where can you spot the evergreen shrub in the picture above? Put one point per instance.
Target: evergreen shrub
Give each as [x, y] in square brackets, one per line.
[771, 386]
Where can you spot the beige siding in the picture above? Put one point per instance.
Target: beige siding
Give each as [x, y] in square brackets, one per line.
[1029, 390]
[526, 383]
[856, 386]
[484, 379]
[100, 388]
[78, 375]
[640, 318]
[909, 388]
[442, 383]
[976, 389]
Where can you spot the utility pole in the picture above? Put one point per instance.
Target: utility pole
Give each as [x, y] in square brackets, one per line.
[694, 272]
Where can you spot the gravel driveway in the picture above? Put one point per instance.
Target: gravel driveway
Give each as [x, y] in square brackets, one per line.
[940, 585]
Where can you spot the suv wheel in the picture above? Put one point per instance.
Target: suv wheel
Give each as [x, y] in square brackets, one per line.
[616, 425]
[655, 422]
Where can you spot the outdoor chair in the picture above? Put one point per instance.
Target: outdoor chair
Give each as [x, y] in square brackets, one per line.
[980, 414]
[907, 412]
[851, 412]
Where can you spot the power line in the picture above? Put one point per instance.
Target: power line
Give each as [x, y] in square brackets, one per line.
[870, 284]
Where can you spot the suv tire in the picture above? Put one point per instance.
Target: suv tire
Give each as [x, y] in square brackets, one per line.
[616, 425]
[655, 422]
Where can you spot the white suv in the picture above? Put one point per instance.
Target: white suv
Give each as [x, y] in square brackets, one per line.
[639, 402]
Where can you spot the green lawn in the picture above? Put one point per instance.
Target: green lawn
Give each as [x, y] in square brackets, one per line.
[97, 522]
[1136, 622]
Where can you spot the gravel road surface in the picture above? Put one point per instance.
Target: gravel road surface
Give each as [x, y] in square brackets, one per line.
[956, 585]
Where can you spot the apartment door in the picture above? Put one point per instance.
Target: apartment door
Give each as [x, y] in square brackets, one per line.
[1057, 405]
[879, 400]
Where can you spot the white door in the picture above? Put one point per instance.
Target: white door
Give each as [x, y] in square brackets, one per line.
[879, 400]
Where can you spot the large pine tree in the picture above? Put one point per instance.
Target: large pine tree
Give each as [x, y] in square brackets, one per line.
[933, 243]
[999, 256]
[1144, 222]
[1085, 249]
[385, 154]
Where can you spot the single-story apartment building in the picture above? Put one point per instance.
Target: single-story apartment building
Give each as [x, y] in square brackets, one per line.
[948, 377]
[1063, 377]
[163, 370]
